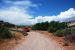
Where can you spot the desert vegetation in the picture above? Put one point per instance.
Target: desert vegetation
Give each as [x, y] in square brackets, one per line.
[52, 26]
[6, 31]
[59, 29]
[41, 26]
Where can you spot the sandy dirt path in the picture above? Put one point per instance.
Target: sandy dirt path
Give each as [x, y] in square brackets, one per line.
[37, 41]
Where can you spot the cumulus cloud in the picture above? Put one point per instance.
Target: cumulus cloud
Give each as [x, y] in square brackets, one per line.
[13, 15]
[63, 16]
[67, 14]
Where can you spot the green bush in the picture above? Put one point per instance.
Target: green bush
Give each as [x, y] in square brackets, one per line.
[54, 26]
[70, 34]
[73, 28]
[51, 29]
[5, 33]
[41, 26]
[59, 33]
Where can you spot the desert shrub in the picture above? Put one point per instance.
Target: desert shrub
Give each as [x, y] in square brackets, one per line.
[5, 33]
[23, 32]
[70, 34]
[41, 26]
[59, 33]
[51, 29]
[54, 26]
[73, 29]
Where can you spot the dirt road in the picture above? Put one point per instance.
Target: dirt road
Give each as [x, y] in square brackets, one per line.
[37, 41]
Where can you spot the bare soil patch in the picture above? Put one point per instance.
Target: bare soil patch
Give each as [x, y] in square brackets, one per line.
[59, 40]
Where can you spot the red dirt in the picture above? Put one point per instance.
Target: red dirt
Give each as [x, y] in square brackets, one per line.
[9, 44]
[59, 40]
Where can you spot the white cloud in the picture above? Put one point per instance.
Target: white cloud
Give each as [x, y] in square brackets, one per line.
[24, 3]
[67, 14]
[14, 15]
[63, 16]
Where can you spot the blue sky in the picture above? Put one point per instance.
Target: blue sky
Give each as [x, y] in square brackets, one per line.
[53, 7]
[28, 12]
